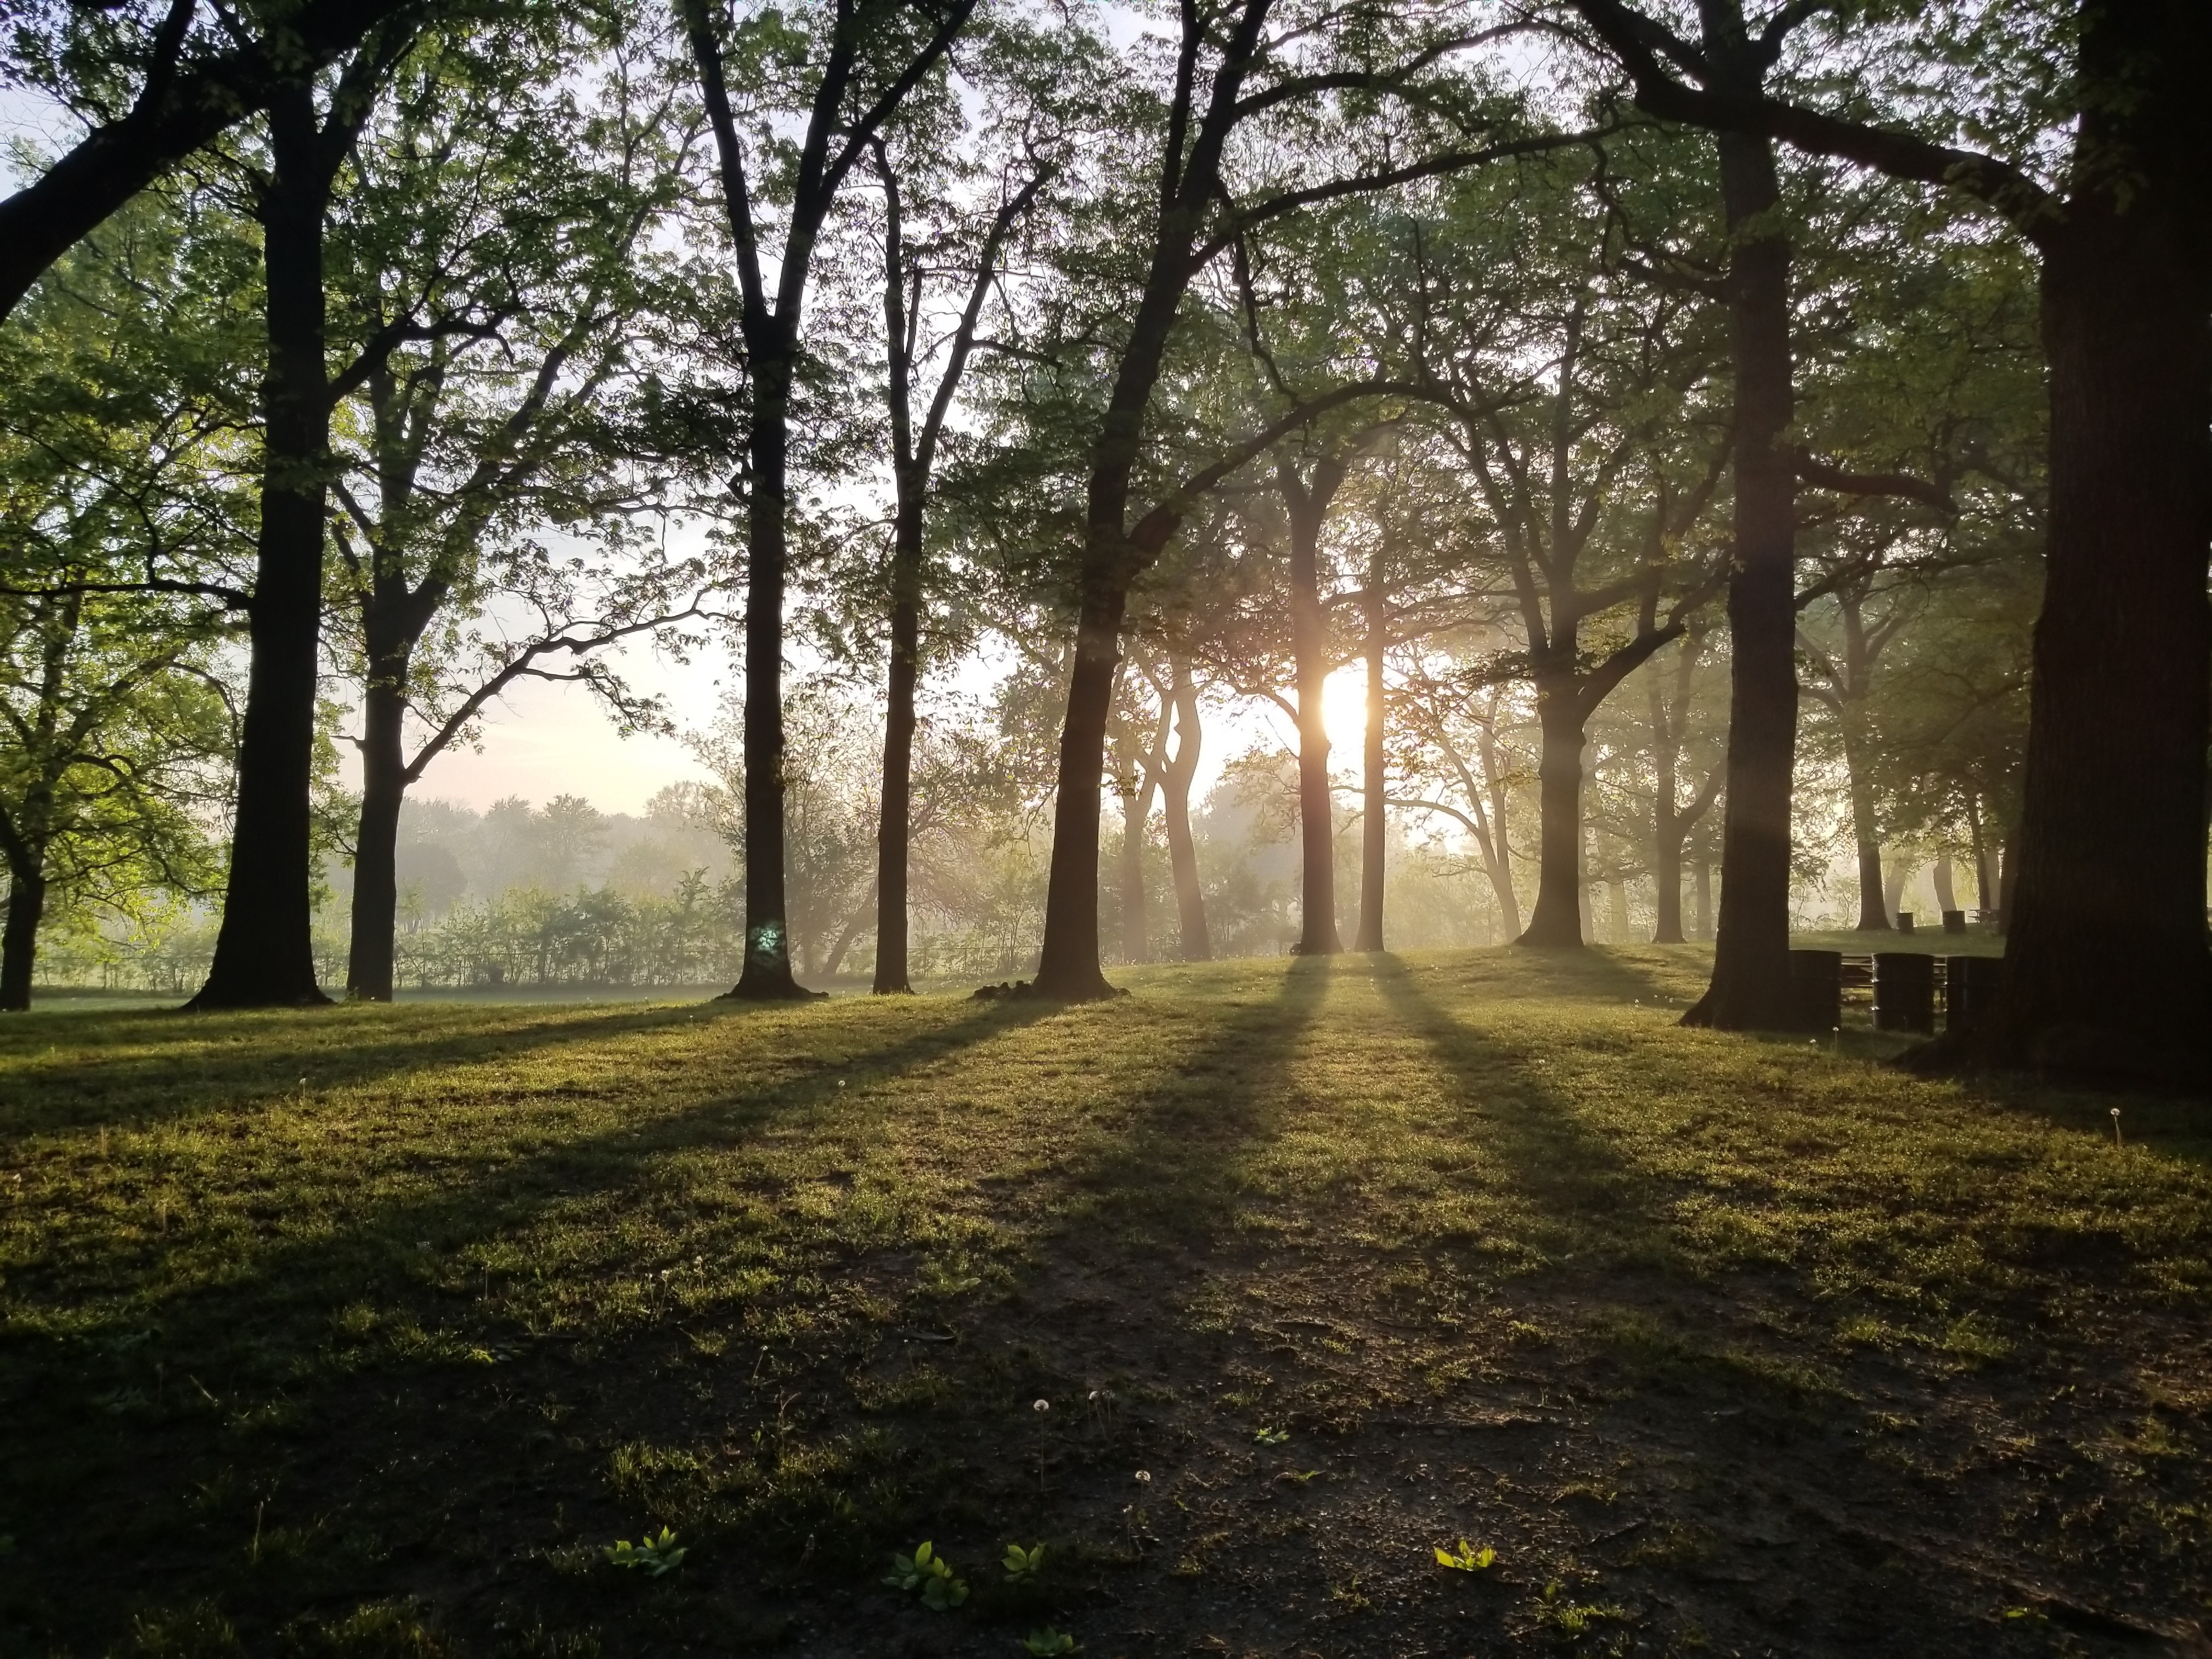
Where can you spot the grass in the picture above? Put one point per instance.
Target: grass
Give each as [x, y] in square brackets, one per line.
[367, 1331]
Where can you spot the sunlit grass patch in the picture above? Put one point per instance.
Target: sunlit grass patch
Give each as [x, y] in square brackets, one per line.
[1349, 1259]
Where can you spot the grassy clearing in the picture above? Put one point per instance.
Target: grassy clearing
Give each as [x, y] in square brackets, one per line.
[366, 1332]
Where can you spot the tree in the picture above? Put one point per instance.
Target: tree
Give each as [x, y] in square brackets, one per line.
[499, 229]
[1573, 390]
[2107, 971]
[264, 954]
[1229, 72]
[862, 61]
[117, 459]
[157, 82]
[1672, 709]
[909, 267]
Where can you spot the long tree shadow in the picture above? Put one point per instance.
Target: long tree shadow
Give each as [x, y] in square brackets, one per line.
[286, 1291]
[1567, 1169]
[143, 1070]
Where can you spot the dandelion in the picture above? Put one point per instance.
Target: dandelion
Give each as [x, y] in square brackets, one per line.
[1143, 1477]
[1041, 1407]
[2117, 1141]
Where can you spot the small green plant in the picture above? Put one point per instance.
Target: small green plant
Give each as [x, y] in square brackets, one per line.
[1047, 1641]
[1022, 1565]
[1466, 1558]
[932, 1575]
[657, 1556]
[1564, 1614]
[1268, 1437]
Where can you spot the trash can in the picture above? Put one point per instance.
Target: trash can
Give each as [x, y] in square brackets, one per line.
[1904, 992]
[1954, 922]
[1905, 921]
[1970, 988]
[1817, 978]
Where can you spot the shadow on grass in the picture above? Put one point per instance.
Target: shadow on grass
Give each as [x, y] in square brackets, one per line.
[1166, 1165]
[1569, 1173]
[144, 1069]
[302, 1285]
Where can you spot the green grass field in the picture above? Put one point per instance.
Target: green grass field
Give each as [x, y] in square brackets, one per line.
[367, 1332]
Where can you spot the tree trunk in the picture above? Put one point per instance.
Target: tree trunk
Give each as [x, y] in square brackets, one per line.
[1310, 642]
[1751, 987]
[1667, 874]
[894, 829]
[1182, 851]
[1375, 840]
[1557, 918]
[2107, 969]
[1501, 846]
[1876, 907]
[1616, 909]
[265, 952]
[19, 944]
[767, 975]
[1136, 943]
[1067, 967]
[1705, 890]
[1984, 894]
[1939, 875]
[1894, 884]
[376, 844]
[1667, 830]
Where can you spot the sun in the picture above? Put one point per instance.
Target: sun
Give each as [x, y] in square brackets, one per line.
[1344, 712]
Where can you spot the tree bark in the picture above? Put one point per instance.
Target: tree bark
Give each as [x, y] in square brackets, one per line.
[1308, 500]
[1940, 876]
[1136, 941]
[1875, 906]
[1067, 967]
[376, 846]
[1181, 771]
[767, 974]
[2106, 967]
[1984, 894]
[264, 951]
[1375, 839]
[894, 831]
[1557, 918]
[1751, 987]
[1705, 891]
[19, 943]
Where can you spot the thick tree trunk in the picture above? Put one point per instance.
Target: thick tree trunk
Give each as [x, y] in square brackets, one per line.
[2107, 969]
[1704, 892]
[1374, 840]
[1309, 643]
[767, 975]
[1751, 987]
[265, 952]
[1183, 851]
[894, 829]
[1067, 967]
[19, 943]
[376, 843]
[1873, 906]
[1557, 918]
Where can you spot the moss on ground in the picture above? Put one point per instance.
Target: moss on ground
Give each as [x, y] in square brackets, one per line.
[366, 1331]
